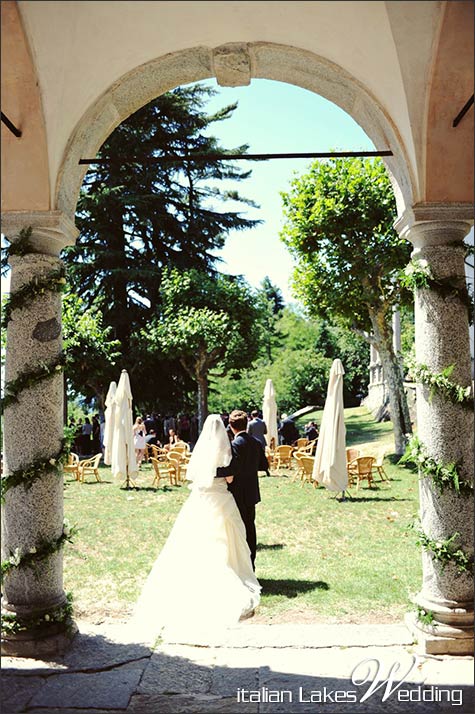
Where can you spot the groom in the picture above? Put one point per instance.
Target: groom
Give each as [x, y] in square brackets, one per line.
[248, 457]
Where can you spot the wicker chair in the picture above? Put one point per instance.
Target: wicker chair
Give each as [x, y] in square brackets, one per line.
[89, 467]
[162, 469]
[72, 466]
[283, 456]
[363, 470]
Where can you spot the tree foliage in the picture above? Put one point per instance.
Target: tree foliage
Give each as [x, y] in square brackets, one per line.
[138, 218]
[302, 357]
[339, 227]
[207, 321]
[92, 355]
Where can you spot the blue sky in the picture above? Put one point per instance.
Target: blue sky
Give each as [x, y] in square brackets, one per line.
[273, 117]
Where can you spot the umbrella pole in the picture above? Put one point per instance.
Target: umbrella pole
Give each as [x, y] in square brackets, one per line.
[127, 477]
[344, 494]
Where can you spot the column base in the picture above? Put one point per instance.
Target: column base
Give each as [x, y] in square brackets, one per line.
[40, 643]
[440, 639]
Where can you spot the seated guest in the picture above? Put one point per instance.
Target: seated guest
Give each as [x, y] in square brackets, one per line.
[173, 439]
[152, 439]
[311, 431]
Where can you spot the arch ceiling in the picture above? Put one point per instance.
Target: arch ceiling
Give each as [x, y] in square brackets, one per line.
[98, 61]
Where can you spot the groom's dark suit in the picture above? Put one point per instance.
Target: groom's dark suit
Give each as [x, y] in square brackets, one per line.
[248, 457]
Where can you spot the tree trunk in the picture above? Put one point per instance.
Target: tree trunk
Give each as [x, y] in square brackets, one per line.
[383, 342]
[202, 380]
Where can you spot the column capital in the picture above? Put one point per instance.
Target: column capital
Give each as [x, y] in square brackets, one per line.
[432, 224]
[52, 230]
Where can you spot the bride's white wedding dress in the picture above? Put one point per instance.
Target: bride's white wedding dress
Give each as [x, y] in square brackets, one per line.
[203, 581]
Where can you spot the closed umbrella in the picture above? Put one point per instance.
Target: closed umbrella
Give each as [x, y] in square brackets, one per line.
[123, 463]
[330, 457]
[269, 413]
[109, 419]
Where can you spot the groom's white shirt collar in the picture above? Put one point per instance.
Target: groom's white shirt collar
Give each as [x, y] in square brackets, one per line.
[243, 431]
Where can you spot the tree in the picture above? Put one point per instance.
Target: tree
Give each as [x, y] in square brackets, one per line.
[272, 302]
[92, 355]
[136, 218]
[302, 355]
[207, 321]
[339, 227]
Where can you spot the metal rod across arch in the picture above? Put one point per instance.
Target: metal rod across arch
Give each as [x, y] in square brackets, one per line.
[170, 159]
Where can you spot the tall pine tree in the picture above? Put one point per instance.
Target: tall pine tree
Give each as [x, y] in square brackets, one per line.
[136, 218]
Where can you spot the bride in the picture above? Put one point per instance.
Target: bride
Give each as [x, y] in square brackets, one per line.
[202, 581]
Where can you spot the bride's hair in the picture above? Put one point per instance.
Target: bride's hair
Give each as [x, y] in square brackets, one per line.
[211, 451]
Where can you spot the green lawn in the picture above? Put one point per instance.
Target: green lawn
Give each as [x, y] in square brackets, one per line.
[318, 559]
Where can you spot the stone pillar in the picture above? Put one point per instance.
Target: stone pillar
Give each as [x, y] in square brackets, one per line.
[33, 429]
[444, 428]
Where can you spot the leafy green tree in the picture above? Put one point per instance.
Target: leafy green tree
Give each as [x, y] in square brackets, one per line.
[302, 357]
[207, 321]
[136, 218]
[271, 301]
[92, 355]
[339, 227]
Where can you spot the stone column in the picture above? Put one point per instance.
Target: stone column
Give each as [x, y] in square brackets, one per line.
[444, 428]
[33, 429]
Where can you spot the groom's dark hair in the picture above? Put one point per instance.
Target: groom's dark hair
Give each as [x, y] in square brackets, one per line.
[238, 420]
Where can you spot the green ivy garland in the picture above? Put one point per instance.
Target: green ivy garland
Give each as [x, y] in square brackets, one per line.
[29, 474]
[442, 476]
[445, 552]
[44, 549]
[20, 247]
[439, 383]
[418, 275]
[54, 281]
[12, 624]
[27, 379]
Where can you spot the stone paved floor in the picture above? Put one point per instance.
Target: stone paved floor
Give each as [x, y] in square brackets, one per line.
[255, 669]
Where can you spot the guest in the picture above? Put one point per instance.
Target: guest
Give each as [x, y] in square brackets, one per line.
[311, 431]
[149, 423]
[173, 438]
[257, 428]
[152, 439]
[184, 427]
[288, 431]
[96, 434]
[78, 438]
[169, 423]
[86, 437]
[139, 440]
[193, 429]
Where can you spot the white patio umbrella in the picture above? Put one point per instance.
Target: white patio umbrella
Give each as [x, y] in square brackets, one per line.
[123, 463]
[330, 457]
[109, 418]
[269, 413]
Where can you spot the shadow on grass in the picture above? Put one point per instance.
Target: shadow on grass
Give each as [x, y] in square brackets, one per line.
[150, 489]
[363, 432]
[369, 499]
[272, 546]
[291, 588]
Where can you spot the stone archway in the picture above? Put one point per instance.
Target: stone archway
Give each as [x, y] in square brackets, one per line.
[232, 65]
[435, 229]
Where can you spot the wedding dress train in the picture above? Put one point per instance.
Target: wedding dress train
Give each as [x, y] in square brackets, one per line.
[202, 582]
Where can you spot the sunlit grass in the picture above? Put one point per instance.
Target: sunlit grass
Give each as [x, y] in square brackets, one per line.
[319, 559]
